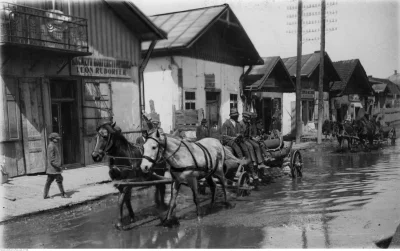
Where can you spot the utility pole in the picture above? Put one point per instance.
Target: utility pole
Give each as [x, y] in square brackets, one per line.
[321, 75]
[298, 71]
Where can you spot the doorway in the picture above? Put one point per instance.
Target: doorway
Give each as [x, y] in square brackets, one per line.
[267, 113]
[64, 113]
[212, 108]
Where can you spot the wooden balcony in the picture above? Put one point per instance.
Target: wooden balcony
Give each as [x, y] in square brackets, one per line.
[38, 29]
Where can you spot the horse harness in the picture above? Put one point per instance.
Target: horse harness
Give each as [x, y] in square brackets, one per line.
[190, 149]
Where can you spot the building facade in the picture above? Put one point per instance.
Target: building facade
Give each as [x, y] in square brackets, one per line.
[66, 65]
[200, 64]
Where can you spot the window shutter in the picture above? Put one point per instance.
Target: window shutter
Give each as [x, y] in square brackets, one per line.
[12, 112]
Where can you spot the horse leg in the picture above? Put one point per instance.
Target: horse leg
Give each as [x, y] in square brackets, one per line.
[121, 200]
[172, 203]
[160, 196]
[221, 178]
[213, 187]
[192, 183]
[128, 196]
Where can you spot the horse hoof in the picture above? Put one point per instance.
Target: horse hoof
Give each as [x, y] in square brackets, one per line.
[229, 205]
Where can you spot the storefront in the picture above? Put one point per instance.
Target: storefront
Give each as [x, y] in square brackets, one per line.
[66, 82]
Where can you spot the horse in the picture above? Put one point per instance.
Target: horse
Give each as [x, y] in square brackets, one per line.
[124, 163]
[365, 131]
[343, 131]
[327, 128]
[188, 162]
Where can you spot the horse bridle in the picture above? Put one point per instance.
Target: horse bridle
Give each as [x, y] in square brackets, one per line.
[106, 147]
[162, 158]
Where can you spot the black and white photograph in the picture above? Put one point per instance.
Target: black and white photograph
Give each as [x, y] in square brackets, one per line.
[201, 124]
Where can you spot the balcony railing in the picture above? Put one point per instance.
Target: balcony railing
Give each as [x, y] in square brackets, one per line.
[27, 26]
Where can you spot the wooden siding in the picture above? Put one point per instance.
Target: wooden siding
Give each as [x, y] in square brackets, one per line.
[108, 35]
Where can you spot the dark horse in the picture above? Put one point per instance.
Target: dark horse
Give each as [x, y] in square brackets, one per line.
[366, 131]
[344, 131]
[125, 160]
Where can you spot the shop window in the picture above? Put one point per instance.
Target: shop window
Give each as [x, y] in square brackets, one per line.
[233, 101]
[190, 100]
[11, 111]
[97, 105]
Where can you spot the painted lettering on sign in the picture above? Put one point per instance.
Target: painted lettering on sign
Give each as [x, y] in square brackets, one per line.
[101, 67]
[307, 94]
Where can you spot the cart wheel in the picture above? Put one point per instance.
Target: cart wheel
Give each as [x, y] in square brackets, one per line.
[296, 165]
[243, 181]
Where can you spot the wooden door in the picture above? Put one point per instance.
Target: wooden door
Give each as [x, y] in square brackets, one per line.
[212, 109]
[267, 113]
[33, 129]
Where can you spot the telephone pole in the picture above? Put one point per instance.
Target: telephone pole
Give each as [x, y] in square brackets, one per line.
[298, 71]
[321, 75]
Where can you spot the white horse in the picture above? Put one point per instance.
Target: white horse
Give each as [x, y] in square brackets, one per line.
[188, 163]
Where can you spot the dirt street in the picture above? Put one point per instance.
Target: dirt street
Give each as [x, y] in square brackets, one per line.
[343, 201]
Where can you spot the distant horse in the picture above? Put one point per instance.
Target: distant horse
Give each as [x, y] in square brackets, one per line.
[344, 131]
[188, 163]
[365, 131]
[125, 159]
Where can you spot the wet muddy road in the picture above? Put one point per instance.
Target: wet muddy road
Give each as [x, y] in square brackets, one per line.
[343, 201]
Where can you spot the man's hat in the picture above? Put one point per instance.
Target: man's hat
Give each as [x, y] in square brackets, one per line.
[204, 121]
[54, 135]
[155, 121]
[246, 115]
[234, 112]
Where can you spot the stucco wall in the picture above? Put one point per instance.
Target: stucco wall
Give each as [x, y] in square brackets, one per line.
[161, 85]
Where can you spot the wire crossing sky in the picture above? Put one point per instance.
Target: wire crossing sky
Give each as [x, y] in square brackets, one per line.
[364, 29]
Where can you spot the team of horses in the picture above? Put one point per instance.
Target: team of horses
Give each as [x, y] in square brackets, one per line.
[363, 131]
[188, 162]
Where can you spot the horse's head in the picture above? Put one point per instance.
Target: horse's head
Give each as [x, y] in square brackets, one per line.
[151, 150]
[104, 140]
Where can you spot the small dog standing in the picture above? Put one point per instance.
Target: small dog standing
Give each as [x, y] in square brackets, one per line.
[54, 166]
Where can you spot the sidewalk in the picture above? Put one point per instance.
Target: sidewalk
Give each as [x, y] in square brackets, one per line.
[24, 195]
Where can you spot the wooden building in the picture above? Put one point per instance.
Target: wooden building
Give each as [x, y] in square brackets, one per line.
[66, 65]
[266, 86]
[200, 64]
[309, 88]
[386, 93]
[349, 97]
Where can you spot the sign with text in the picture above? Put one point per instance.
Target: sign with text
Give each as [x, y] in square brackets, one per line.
[307, 94]
[100, 67]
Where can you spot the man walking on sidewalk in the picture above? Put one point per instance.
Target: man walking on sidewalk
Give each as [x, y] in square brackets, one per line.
[54, 166]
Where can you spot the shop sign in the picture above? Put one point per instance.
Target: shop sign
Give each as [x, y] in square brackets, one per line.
[100, 67]
[354, 98]
[307, 94]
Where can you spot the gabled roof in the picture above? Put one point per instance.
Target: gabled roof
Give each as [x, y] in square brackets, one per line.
[346, 69]
[309, 63]
[184, 28]
[136, 20]
[395, 78]
[264, 72]
[392, 88]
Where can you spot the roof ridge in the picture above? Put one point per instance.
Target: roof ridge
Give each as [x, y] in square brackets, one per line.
[175, 12]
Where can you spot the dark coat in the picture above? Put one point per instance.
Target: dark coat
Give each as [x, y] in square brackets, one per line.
[229, 131]
[53, 159]
[202, 132]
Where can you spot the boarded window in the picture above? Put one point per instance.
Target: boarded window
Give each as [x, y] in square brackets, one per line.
[12, 113]
[209, 80]
[97, 105]
[190, 100]
[233, 101]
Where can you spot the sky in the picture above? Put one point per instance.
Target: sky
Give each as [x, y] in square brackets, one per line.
[365, 29]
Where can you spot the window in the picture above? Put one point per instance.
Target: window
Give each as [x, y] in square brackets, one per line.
[190, 100]
[97, 105]
[233, 101]
[209, 80]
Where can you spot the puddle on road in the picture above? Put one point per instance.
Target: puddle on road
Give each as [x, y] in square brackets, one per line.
[342, 201]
